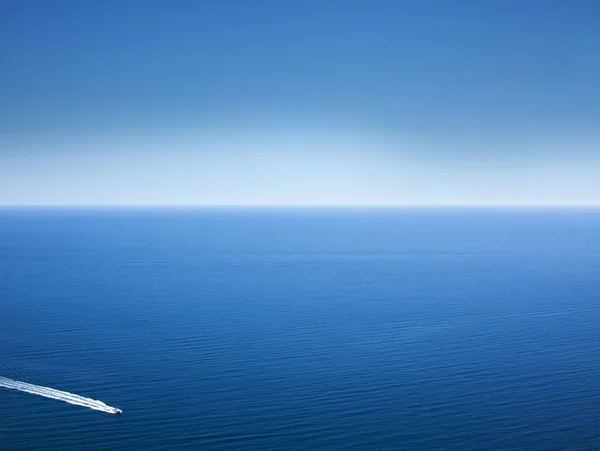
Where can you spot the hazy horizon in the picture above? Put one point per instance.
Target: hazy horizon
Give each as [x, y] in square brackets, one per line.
[300, 206]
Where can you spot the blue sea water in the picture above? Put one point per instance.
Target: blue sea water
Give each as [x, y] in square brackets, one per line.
[300, 329]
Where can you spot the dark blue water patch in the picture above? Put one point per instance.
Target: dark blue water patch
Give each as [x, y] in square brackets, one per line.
[302, 329]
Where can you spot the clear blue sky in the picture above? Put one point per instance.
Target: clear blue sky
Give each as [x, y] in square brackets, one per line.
[276, 102]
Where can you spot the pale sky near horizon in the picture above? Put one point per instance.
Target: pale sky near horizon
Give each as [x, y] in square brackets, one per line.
[329, 102]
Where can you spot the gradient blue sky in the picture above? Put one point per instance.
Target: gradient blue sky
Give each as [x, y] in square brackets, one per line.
[312, 102]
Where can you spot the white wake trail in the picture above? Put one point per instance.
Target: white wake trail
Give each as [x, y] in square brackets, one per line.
[60, 395]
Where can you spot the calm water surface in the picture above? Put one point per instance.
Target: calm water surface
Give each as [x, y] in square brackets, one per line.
[302, 329]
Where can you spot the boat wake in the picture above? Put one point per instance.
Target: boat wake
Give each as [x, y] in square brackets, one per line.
[60, 395]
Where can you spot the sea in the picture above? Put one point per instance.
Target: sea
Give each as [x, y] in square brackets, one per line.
[302, 328]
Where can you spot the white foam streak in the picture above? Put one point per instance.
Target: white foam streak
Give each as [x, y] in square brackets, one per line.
[52, 393]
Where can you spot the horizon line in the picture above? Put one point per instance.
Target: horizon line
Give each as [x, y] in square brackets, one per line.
[251, 206]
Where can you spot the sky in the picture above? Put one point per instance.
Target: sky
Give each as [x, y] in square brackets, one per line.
[313, 102]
